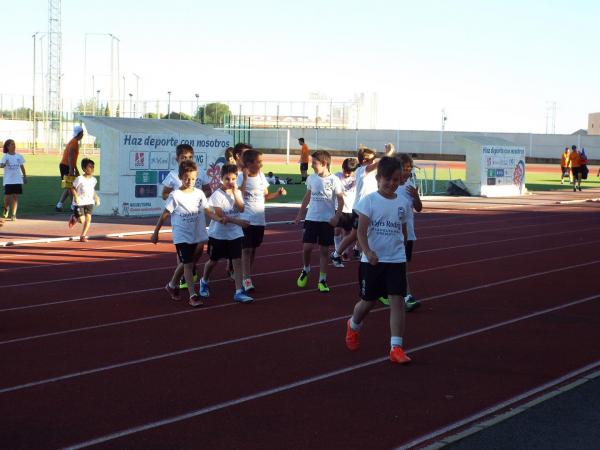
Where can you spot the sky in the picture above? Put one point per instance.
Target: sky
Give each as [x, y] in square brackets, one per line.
[492, 66]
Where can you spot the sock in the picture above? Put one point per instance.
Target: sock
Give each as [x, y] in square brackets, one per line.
[396, 341]
[59, 205]
[171, 286]
[355, 326]
[203, 280]
[239, 291]
[307, 269]
[322, 276]
[336, 240]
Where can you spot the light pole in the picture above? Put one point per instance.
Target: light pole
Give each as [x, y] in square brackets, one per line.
[169, 106]
[130, 104]
[98, 112]
[34, 137]
[444, 118]
[197, 107]
[137, 92]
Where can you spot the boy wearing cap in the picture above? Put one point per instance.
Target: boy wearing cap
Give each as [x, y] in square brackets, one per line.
[68, 163]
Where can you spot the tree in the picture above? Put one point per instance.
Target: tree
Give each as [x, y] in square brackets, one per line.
[107, 111]
[177, 116]
[86, 107]
[150, 115]
[215, 113]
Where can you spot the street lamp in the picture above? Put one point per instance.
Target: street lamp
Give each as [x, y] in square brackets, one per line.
[197, 107]
[33, 97]
[137, 93]
[98, 112]
[169, 106]
[130, 104]
[444, 118]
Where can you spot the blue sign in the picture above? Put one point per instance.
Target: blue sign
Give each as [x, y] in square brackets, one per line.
[162, 174]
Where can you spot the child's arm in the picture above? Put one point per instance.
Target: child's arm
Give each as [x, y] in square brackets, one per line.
[338, 213]
[24, 174]
[96, 199]
[159, 224]
[302, 210]
[244, 180]
[363, 226]
[414, 193]
[166, 191]
[373, 166]
[273, 195]
[210, 213]
[237, 198]
[74, 195]
[405, 233]
[3, 162]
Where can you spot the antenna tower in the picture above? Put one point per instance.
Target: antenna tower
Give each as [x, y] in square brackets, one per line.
[54, 134]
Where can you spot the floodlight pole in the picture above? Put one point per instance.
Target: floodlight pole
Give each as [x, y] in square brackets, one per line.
[34, 128]
[444, 118]
[130, 105]
[197, 106]
[169, 105]
[137, 91]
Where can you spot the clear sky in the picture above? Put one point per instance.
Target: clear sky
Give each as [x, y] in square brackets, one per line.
[493, 66]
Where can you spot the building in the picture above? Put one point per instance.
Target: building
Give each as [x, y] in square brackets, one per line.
[594, 124]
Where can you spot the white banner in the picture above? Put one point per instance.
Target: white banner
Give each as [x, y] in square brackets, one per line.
[502, 171]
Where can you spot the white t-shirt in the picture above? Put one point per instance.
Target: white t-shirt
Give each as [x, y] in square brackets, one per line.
[384, 234]
[402, 191]
[85, 190]
[349, 191]
[323, 191]
[187, 216]
[229, 231]
[254, 198]
[173, 182]
[12, 170]
[366, 183]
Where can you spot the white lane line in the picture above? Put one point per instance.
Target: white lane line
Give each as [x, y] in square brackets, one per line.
[499, 406]
[310, 380]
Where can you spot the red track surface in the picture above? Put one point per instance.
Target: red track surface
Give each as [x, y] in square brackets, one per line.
[92, 348]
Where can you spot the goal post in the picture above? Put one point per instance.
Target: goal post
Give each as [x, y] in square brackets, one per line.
[268, 138]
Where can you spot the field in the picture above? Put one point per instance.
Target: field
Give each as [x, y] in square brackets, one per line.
[43, 189]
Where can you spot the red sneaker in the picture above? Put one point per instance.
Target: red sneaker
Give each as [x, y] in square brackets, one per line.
[72, 221]
[83, 239]
[195, 301]
[173, 292]
[352, 342]
[397, 355]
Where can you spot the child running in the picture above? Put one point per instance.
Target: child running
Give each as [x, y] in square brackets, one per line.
[84, 198]
[382, 272]
[14, 178]
[410, 193]
[225, 236]
[344, 226]
[322, 190]
[254, 187]
[187, 206]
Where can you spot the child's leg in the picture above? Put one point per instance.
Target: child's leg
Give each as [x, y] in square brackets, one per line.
[86, 224]
[307, 249]
[15, 203]
[208, 268]
[361, 310]
[323, 261]
[174, 283]
[397, 317]
[237, 273]
[188, 272]
[6, 204]
[247, 260]
[337, 239]
[346, 242]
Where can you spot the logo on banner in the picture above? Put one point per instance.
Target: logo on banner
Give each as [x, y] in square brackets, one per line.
[139, 159]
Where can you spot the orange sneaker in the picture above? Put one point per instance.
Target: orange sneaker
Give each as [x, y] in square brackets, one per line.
[397, 355]
[351, 337]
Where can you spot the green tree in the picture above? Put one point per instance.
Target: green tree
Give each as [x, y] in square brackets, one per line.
[215, 113]
[177, 116]
[150, 115]
[86, 107]
[107, 111]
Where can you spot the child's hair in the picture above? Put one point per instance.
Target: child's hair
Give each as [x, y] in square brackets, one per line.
[183, 148]
[364, 151]
[239, 149]
[301, 140]
[405, 158]
[323, 157]
[387, 166]
[229, 153]
[6, 144]
[85, 162]
[270, 174]
[227, 169]
[187, 166]
[349, 164]
[389, 146]
[250, 155]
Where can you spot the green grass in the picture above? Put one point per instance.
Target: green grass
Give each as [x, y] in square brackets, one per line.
[43, 190]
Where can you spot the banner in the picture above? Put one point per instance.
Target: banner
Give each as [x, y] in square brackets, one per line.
[502, 171]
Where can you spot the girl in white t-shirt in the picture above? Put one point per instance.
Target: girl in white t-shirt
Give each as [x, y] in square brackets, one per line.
[225, 236]
[187, 207]
[84, 198]
[14, 177]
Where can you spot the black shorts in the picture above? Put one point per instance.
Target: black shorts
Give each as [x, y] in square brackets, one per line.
[346, 221]
[381, 280]
[318, 232]
[13, 189]
[354, 220]
[576, 171]
[303, 167]
[409, 250]
[80, 211]
[222, 248]
[64, 170]
[186, 251]
[253, 236]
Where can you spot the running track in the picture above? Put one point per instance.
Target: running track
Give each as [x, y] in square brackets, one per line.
[94, 353]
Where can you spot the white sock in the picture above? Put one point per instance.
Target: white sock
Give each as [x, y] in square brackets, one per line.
[239, 291]
[59, 205]
[171, 285]
[307, 269]
[355, 326]
[396, 341]
[337, 240]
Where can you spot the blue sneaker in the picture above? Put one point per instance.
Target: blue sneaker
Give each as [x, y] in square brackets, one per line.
[204, 291]
[242, 297]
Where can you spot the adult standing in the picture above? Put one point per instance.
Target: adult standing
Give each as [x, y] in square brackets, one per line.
[68, 163]
[564, 166]
[575, 165]
[304, 156]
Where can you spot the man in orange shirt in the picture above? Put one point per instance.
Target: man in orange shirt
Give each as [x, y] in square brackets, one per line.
[575, 165]
[68, 163]
[564, 166]
[304, 157]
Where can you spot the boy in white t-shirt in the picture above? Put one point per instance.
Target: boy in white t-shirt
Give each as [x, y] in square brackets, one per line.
[322, 191]
[187, 207]
[14, 177]
[84, 198]
[410, 193]
[255, 190]
[225, 236]
[381, 234]
[172, 182]
[365, 184]
[344, 226]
